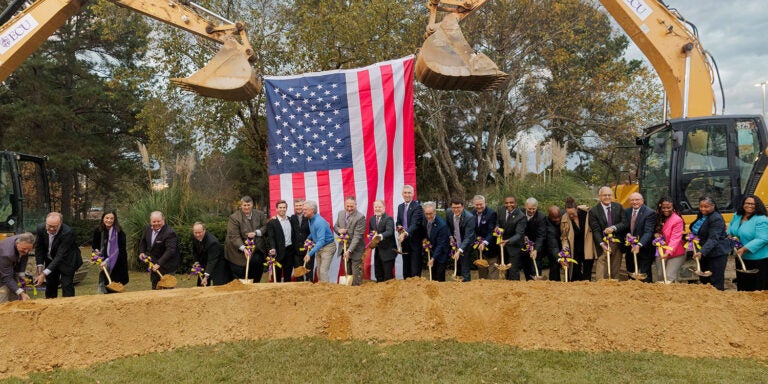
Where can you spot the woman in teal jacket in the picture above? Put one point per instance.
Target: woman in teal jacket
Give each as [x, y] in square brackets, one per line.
[750, 225]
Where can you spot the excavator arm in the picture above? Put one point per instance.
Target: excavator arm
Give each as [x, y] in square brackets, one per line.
[227, 76]
[674, 51]
[446, 61]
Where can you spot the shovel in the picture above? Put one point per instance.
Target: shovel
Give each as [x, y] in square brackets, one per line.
[608, 259]
[503, 267]
[744, 267]
[346, 279]
[116, 287]
[481, 262]
[698, 270]
[300, 270]
[536, 268]
[637, 275]
[456, 269]
[166, 281]
[248, 256]
[429, 257]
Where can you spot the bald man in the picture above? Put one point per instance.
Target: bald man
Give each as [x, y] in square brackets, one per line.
[607, 217]
[160, 242]
[57, 256]
[553, 243]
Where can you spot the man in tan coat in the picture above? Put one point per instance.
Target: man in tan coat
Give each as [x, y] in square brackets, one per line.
[577, 236]
[247, 223]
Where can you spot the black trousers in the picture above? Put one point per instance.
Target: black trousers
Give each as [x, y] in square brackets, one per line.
[753, 281]
[284, 273]
[717, 266]
[645, 263]
[438, 271]
[52, 282]
[512, 256]
[383, 269]
[412, 259]
[554, 267]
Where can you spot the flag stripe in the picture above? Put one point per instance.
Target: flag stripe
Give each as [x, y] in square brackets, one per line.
[390, 115]
[367, 125]
[324, 198]
[348, 183]
[405, 85]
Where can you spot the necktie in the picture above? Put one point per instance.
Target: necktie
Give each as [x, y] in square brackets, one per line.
[405, 216]
[154, 235]
[479, 218]
[608, 216]
[632, 222]
[429, 229]
[507, 218]
[378, 218]
[300, 216]
[456, 232]
[346, 220]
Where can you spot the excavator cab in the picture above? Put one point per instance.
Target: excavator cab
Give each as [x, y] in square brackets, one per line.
[446, 61]
[228, 76]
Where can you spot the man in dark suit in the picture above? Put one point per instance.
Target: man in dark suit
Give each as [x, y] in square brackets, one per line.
[14, 253]
[246, 223]
[281, 239]
[607, 217]
[300, 225]
[553, 244]
[461, 225]
[512, 240]
[439, 236]
[160, 242]
[57, 256]
[351, 222]
[207, 251]
[384, 253]
[410, 216]
[642, 223]
[535, 231]
[485, 222]
[504, 214]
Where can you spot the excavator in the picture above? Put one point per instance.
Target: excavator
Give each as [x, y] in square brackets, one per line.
[694, 152]
[25, 26]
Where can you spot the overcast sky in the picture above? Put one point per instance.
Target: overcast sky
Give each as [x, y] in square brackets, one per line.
[736, 34]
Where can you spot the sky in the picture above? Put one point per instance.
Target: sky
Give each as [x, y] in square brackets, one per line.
[736, 34]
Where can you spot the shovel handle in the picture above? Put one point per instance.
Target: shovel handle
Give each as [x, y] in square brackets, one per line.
[106, 273]
[743, 266]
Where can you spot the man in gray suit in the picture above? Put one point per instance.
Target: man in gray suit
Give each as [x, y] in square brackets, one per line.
[351, 222]
[247, 223]
[14, 252]
[607, 217]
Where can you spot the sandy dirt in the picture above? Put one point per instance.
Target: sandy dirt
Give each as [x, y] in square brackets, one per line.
[684, 320]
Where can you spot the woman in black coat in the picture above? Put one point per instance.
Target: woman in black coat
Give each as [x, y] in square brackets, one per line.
[709, 226]
[109, 238]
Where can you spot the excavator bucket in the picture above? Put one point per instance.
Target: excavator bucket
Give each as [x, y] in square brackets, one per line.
[446, 61]
[228, 76]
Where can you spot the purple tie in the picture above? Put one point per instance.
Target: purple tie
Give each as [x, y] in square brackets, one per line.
[405, 216]
[609, 217]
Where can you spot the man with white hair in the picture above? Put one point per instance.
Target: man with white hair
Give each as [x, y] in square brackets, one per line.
[384, 252]
[325, 247]
[410, 216]
[607, 217]
[57, 256]
[536, 232]
[14, 252]
[642, 223]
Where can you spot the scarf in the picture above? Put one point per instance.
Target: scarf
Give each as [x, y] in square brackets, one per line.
[113, 250]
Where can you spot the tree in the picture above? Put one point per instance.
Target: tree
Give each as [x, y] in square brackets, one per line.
[75, 100]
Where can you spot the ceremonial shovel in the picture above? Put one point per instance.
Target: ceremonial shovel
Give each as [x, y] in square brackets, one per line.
[608, 259]
[637, 275]
[116, 287]
[503, 267]
[698, 270]
[455, 269]
[301, 270]
[481, 262]
[536, 267]
[346, 279]
[429, 257]
[166, 281]
[744, 267]
[248, 256]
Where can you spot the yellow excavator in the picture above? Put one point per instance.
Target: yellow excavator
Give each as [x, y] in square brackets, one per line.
[694, 152]
[229, 75]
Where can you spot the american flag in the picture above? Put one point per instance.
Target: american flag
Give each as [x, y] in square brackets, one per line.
[342, 133]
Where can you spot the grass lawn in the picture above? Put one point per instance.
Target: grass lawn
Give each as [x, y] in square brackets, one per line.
[325, 361]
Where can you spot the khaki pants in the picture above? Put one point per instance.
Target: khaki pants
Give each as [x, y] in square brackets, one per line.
[6, 295]
[601, 264]
[323, 261]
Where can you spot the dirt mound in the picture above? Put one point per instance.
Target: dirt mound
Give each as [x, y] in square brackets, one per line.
[685, 320]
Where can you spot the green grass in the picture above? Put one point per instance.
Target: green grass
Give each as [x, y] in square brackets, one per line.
[323, 361]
